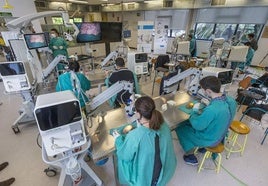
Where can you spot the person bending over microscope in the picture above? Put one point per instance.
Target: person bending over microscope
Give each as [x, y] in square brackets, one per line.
[121, 73]
[145, 155]
[75, 81]
[206, 127]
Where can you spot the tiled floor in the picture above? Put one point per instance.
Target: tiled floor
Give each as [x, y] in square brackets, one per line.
[26, 164]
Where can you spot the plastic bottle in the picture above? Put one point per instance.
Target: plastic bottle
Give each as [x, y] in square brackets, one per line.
[76, 56]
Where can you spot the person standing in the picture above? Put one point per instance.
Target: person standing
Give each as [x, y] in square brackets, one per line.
[145, 155]
[58, 45]
[207, 127]
[192, 45]
[253, 41]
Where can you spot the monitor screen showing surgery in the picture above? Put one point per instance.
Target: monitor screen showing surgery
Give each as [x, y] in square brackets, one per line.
[37, 40]
[11, 68]
[88, 32]
[58, 115]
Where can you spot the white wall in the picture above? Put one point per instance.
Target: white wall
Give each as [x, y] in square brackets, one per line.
[257, 15]
[179, 18]
[261, 52]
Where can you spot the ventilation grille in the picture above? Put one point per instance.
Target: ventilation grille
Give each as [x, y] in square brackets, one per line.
[40, 4]
[167, 4]
[218, 2]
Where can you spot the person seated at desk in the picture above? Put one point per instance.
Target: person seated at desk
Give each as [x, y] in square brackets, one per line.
[209, 127]
[121, 73]
[75, 81]
[145, 155]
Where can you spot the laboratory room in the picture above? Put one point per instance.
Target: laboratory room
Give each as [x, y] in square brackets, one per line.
[133, 93]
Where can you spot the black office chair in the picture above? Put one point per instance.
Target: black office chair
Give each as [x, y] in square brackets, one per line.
[256, 112]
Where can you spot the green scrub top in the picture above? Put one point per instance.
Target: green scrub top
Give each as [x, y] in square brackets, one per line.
[208, 128]
[135, 156]
[249, 58]
[54, 45]
[64, 83]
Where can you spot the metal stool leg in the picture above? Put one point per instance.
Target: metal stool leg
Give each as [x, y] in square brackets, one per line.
[265, 135]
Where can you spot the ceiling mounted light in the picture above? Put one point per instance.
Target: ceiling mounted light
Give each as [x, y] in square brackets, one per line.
[78, 2]
[7, 5]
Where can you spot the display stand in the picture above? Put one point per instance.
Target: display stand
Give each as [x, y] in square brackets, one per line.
[88, 176]
[26, 112]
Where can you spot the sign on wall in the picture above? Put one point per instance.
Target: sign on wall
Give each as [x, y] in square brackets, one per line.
[161, 35]
[145, 36]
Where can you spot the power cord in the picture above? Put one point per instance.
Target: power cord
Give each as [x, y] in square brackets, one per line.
[37, 141]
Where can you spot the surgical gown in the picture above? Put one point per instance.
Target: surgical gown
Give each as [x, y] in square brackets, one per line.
[59, 47]
[64, 83]
[249, 58]
[193, 47]
[208, 128]
[135, 155]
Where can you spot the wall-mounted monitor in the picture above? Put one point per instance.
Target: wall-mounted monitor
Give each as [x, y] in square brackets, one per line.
[88, 32]
[111, 31]
[36, 40]
[14, 76]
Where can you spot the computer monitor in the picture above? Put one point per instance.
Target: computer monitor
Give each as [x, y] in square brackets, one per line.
[36, 40]
[14, 76]
[238, 54]
[88, 32]
[183, 48]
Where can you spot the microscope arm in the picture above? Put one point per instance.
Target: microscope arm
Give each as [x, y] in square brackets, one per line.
[22, 22]
[109, 57]
[110, 92]
[53, 64]
[194, 82]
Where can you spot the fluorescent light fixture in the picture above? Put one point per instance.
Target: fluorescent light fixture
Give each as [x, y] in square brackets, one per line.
[79, 2]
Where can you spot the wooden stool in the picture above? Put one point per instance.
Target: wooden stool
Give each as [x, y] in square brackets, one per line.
[237, 128]
[217, 149]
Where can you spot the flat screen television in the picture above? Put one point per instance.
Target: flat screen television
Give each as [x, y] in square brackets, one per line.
[36, 40]
[111, 31]
[88, 32]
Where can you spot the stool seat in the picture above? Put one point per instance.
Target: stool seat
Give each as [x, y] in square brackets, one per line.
[217, 149]
[239, 127]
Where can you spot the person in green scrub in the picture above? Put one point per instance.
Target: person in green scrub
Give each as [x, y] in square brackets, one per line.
[207, 127]
[121, 74]
[75, 81]
[249, 57]
[145, 155]
[192, 45]
[58, 45]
